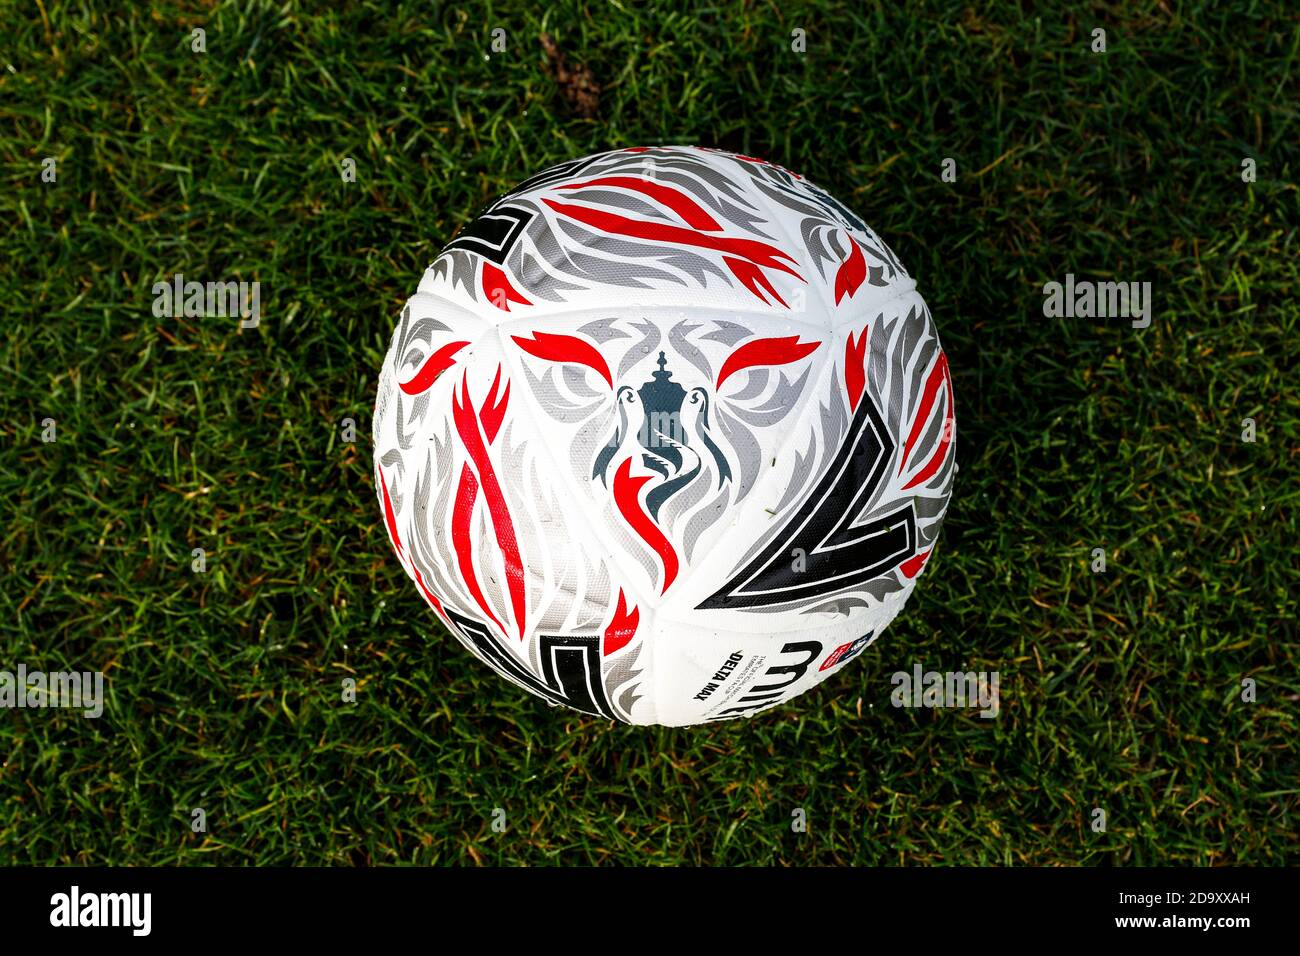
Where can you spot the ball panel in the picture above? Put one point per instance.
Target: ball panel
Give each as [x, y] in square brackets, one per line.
[667, 226]
[707, 675]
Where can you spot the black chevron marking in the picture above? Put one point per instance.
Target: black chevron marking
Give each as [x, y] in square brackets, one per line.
[570, 663]
[493, 233]
[837, 554]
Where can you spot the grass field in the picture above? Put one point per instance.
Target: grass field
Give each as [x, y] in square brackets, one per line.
[1120, 690]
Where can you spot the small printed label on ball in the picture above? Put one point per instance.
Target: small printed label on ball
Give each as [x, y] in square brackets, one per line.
[720, 675]
[759, 685]
[845, 652]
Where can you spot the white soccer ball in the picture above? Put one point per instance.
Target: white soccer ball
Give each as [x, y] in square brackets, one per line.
[665, 435]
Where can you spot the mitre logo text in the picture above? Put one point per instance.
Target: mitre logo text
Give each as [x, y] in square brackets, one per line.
[75, 909]
[37, 689]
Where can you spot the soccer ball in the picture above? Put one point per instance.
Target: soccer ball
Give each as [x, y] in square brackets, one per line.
[665, 435]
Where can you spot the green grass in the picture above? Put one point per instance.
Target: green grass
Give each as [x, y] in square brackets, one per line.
[1119, 690]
